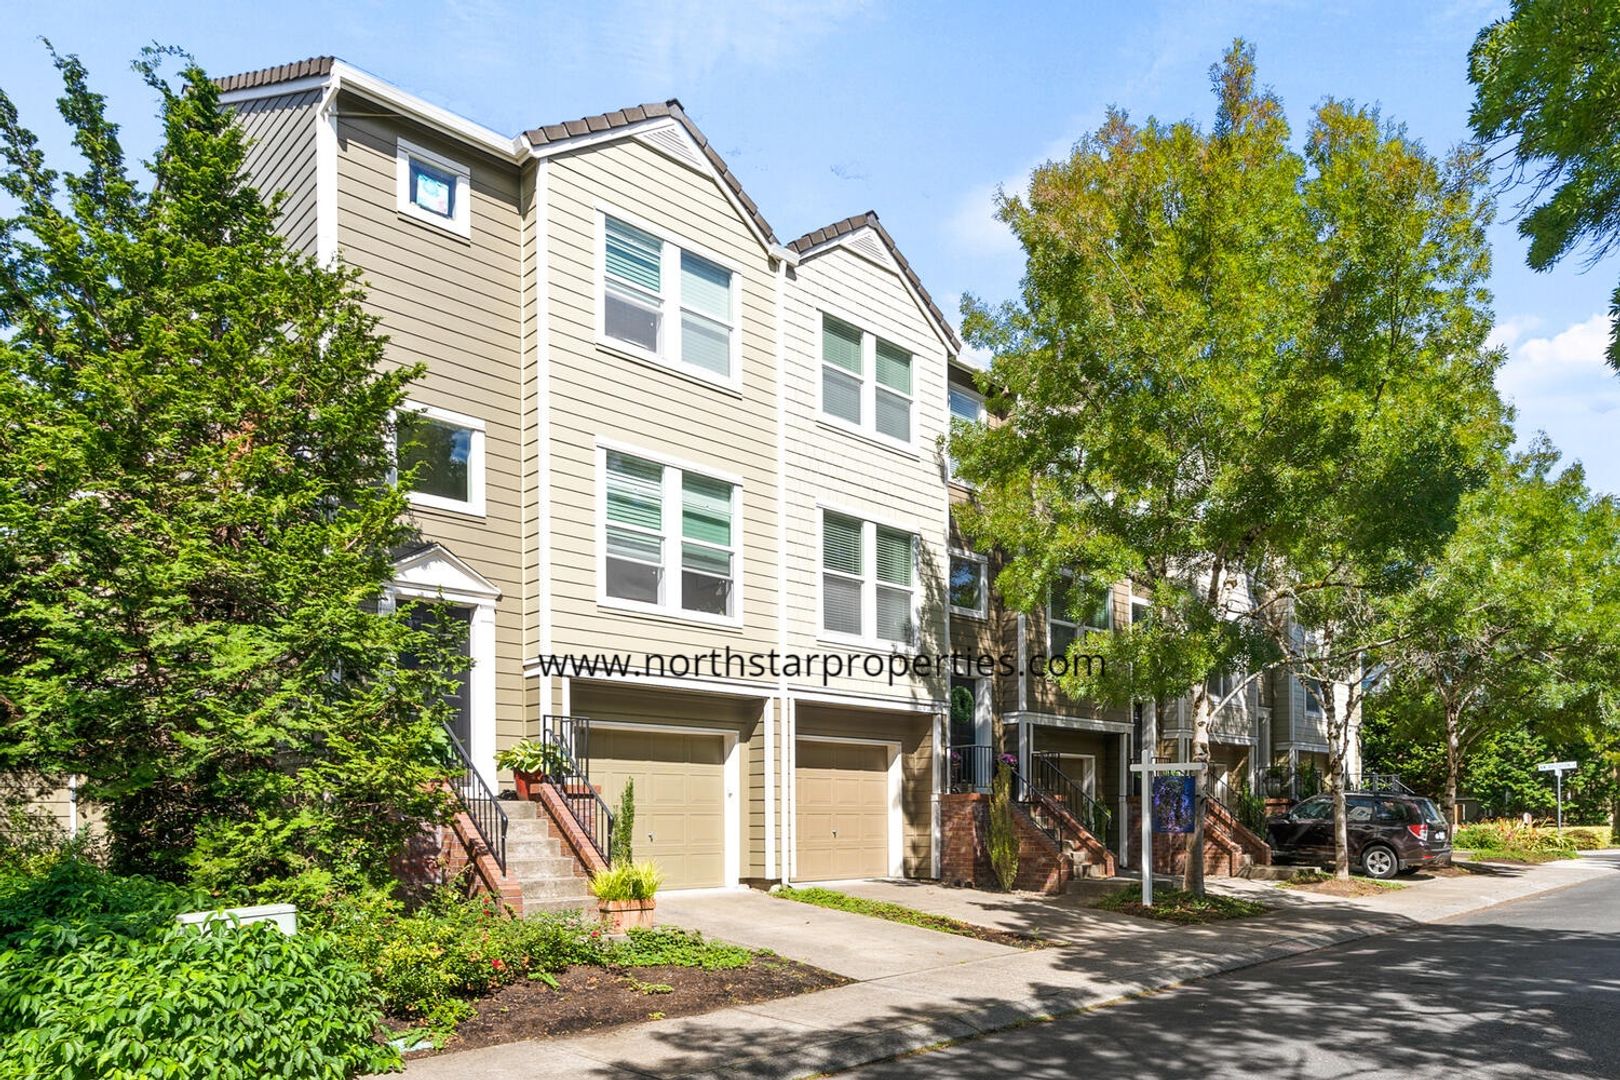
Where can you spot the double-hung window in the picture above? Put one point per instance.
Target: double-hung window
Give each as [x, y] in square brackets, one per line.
[866, 382]
[967, 407]
[967, 585]
[667, 304]
[868, 580]
[1063, 625]
[444, 453]
[669, 538]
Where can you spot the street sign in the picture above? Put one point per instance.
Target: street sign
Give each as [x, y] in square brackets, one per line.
[1558, 769]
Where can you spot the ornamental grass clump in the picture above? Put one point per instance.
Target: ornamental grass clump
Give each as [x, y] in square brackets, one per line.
[627, 881]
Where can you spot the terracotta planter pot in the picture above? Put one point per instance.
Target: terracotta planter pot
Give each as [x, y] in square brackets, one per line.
[527, 784]
[622, 915]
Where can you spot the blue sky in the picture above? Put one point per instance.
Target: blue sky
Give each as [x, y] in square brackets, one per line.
[825, 108]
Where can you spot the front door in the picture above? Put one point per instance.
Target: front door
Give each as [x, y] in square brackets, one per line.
[423, 616]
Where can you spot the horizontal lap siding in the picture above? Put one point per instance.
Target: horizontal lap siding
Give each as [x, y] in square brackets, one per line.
[855, 475]
[452, 304]
[1044, 695]
[915, 736]
[281, 158]
[597, 392]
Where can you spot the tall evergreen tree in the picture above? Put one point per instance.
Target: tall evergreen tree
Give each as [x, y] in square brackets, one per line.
[196, 513]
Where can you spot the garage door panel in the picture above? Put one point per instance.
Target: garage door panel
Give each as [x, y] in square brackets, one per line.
[842, 819]
[680, 798]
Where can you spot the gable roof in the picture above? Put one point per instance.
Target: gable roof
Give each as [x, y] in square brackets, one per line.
[552, 134]
[808, 244]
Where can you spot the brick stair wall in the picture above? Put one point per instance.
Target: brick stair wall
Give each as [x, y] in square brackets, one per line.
[543, 870]
[1089, 855]
[1043, 864]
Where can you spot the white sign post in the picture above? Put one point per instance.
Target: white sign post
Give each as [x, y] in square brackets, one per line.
[1147, 770]
[1558, 769]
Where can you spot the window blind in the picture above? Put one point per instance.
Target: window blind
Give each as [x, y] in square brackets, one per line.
[634, 255]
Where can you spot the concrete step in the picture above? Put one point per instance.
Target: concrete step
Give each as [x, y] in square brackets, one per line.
[520, 810]
[555, 889]
[534, 907]
[527, 867]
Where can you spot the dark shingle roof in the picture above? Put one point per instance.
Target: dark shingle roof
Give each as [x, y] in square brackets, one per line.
[870, 220]
[247, 80]
[618, 118]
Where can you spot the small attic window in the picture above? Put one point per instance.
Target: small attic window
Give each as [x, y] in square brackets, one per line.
[433, 188]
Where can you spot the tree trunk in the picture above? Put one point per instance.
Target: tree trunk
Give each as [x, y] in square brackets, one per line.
[1200, 752]
[1336, 753]
[1453, 766]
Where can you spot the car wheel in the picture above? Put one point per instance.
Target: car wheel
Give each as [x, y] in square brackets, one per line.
[1380, 863]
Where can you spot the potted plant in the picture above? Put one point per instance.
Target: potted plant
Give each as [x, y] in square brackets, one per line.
[624, 894]
[531, 761]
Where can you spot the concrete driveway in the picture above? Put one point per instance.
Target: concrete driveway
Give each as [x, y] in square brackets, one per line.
[857, 947]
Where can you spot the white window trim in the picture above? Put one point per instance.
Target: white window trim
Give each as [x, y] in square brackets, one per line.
[950, 419]
[984, 584]
[474, 504]
[460, 223]
[867, 428]
[667, 355]
[669, 605]
[869, 582]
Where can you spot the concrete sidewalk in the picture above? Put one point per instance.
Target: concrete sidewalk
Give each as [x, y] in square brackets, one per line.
[905, 1003]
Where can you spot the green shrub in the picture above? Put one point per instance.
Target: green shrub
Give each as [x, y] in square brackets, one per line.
[620, 848]
[1003, 831]
[1508, 835]
[249, 1002]
[55, 902]
[429, 964]
[661, 946]
[627, 881]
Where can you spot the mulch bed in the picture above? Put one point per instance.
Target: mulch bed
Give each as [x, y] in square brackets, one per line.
[1354, 887]
[592, 998]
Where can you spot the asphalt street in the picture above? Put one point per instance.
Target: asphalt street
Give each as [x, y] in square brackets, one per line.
[1530, 988]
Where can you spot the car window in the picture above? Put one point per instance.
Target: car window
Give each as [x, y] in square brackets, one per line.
[1431, 812]
[1358, 811]
[1315, 809]
[1398, 813]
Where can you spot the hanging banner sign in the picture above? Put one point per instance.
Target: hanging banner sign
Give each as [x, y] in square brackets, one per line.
[1173, 804]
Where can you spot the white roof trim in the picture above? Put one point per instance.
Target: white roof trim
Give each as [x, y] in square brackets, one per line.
[435, 569]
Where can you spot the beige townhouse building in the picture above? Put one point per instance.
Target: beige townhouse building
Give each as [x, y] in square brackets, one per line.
[687, 486]
[651, 430]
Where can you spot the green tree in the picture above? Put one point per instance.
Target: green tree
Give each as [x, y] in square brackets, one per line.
[1514, 623]
[196, 517]
[1547, 90]
[1003, 828]
[1240, 377]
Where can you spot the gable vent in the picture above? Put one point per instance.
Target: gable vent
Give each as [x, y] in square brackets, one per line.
[869, 246]
[670, 139]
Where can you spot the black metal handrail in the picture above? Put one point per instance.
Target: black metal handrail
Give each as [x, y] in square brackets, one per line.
[1048, 779]
[572, 735]
[1282, 782]
[1245, 806]
[972, 767]
[482, 808]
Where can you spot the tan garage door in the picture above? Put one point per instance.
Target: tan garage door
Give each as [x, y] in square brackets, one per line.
[680, 799]
[842, 821]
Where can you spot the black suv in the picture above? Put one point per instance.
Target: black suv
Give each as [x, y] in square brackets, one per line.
[1388, 834]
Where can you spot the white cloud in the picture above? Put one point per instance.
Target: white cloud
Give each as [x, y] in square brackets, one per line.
[1561, 384]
